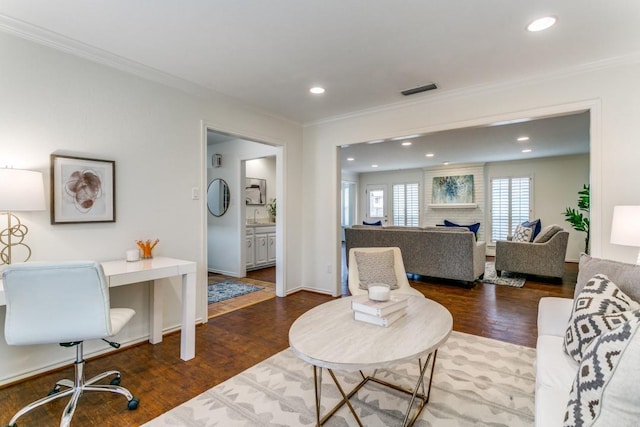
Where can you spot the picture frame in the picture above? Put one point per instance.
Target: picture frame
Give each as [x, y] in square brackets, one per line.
[255, 191]
[452, 189]
[82, 190]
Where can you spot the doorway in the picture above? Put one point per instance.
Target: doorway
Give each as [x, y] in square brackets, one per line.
[225, 158]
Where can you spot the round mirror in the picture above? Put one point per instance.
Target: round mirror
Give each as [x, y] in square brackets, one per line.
[218, 197]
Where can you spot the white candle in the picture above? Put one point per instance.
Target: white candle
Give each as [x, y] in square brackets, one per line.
[379, 293]
[133, 255]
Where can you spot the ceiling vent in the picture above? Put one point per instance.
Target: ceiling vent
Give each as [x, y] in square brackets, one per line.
[415, 90]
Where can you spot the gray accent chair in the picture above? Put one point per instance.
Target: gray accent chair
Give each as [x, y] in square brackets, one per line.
[540, 259]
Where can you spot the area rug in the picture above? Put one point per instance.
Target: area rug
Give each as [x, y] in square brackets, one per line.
[477, 382]
[229, 289]
[507, 278]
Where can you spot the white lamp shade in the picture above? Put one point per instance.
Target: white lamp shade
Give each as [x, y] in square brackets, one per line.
[625, 226]
[21, 190]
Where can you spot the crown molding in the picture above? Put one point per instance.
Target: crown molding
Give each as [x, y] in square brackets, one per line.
[77, 48]
[448, 95]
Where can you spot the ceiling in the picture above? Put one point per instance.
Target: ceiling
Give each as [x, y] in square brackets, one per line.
[556, 136]
[267, 54]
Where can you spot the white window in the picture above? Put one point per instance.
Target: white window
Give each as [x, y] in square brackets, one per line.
[510, 205]
[406, 206]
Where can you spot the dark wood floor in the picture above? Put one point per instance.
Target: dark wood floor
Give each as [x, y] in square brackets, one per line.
[233, 342]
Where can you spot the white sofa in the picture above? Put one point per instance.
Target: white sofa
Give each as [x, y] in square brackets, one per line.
[555, 369]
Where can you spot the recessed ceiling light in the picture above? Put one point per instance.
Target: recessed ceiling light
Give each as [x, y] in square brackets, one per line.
[374, 166]
[398, 138]
[316, 90]
[429, 155]
[523, 138]
[377, 141]
[527, 150]
[350, 159]
[541, 23]
[406, 143]
[446, 163]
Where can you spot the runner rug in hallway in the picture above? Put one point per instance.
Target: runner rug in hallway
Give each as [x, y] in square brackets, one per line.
[477, 381]
[229, 289]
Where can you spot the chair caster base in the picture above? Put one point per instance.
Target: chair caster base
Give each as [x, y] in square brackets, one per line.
[132, 405]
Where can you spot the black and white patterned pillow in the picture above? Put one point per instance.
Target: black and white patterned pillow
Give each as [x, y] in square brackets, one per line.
[522, 234]
[599, 308]
[376, 267]
[605, 390]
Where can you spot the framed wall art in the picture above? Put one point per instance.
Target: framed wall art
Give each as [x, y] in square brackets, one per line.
[82, 190]
[256, 191]
[452, 189]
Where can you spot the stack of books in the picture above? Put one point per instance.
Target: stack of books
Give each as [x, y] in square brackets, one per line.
[381, 313]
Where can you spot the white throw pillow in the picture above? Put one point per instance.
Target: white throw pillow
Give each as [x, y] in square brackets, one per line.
[522, 234]
[376, 267]
[599, 308]
[605, 390]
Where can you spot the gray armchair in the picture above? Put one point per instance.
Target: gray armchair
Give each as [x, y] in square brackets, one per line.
[538, 258]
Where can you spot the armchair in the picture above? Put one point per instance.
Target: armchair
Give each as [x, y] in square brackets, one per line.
[537, 258]
[401, 275]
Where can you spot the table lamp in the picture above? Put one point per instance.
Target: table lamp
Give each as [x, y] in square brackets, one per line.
[20, 190]
[625, 227]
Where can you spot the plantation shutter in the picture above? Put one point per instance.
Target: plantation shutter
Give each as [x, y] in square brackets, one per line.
[406, 206]
[510, 205]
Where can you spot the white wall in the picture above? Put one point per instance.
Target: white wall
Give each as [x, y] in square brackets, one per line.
[610, 91]
[55, 102]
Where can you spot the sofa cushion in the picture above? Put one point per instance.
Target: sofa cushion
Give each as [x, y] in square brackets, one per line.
[626, 276]
[376, 267]
[379, 222]
[605, 391]
[536, 224]
[599, 308]
[522, 234]
[473, 227]
[547, 233]
[555, 372]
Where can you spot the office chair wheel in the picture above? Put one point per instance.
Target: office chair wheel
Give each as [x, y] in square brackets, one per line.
[115, 381]
[54, 390]
[133, 404]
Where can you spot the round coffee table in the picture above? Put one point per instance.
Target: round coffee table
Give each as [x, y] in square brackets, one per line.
[328, 337]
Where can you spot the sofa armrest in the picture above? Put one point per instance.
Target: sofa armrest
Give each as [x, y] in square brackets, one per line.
[553, 315]
[479, 258]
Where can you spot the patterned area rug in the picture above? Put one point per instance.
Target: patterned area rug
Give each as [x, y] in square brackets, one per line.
[477, 382]
[507, 279]
[228, 289]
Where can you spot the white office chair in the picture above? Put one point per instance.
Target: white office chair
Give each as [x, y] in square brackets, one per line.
[398, 265]
[64, 303]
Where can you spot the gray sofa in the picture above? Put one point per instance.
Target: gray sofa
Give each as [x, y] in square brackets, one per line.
[444, 252]
[538, 258]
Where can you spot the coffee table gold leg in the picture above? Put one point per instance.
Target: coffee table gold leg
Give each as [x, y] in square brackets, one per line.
[317, 381]
[419, 385]
[345, 398]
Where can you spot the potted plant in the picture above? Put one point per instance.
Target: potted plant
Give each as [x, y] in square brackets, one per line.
[271, 208]
[575, 217]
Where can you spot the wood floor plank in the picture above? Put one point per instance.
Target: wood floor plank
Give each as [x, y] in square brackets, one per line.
[235, 341]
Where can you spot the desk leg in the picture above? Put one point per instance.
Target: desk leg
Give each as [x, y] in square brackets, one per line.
[156, 306]
[188, 335]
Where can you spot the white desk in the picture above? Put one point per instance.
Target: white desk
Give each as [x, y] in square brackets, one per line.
[120, 273]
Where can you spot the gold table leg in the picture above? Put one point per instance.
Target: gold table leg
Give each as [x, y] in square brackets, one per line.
[424, 399]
